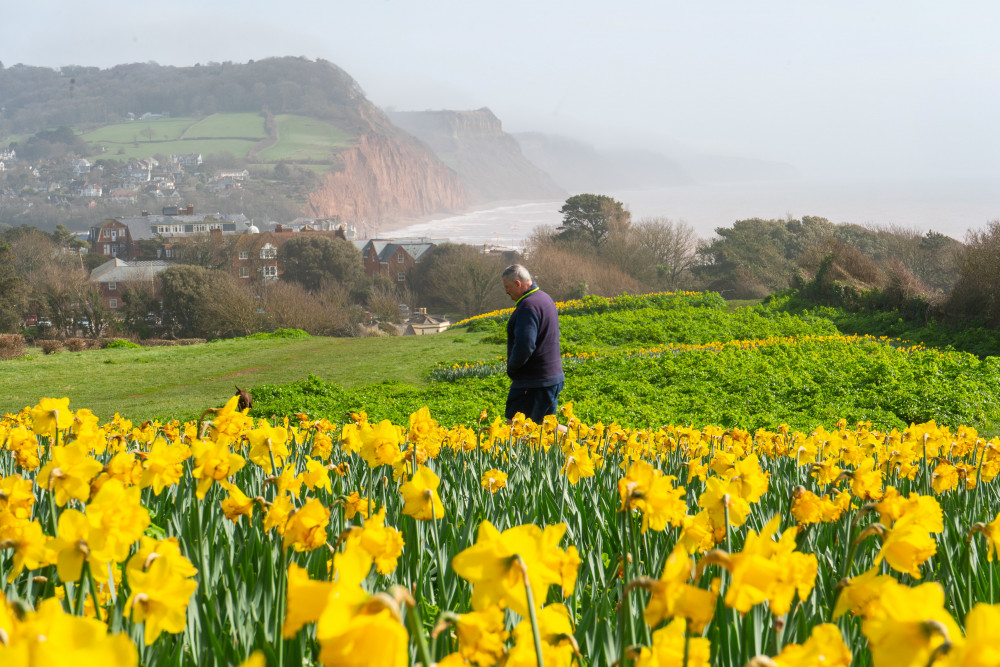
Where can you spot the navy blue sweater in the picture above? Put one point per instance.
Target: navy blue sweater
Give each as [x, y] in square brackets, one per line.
[533, 358]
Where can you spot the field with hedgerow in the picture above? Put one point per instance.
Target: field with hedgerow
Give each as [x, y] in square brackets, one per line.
[721, 487]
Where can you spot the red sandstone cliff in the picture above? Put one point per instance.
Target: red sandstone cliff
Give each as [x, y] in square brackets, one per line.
[386, 177]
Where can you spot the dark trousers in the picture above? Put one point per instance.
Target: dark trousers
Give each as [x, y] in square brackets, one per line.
[535, 403]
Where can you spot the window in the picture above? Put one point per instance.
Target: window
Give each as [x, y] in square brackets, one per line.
[268, 251]
[112, 303]
[399, 257]
[168, 252]
[401, 276]
[270, 271]
[244, 254]
[244, 272]
[112, 287]
[114, 235]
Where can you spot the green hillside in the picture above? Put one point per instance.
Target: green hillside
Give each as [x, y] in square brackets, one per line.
[243, 135]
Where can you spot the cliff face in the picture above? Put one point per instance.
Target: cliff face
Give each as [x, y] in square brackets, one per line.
[489, 161]
[386, 177]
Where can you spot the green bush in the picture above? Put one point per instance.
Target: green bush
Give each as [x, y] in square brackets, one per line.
[120, 344]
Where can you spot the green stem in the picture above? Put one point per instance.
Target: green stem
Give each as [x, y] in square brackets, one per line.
[532, 616]
[416, 624]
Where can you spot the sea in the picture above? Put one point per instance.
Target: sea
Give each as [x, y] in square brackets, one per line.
[951, 208]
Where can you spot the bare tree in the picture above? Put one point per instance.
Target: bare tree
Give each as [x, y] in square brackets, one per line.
[671, 246]
[460, 278]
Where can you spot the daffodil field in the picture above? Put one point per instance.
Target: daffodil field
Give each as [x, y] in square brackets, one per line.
[319, 537]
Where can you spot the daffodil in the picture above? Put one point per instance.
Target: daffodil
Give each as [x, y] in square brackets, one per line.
[268, 444]
[71, 544]
[316, 475]
[237, 504]
[305, 529]
[69, 473]
[578, 464]
[909, 625]
[159, 599]
[50, 416]
[380, 444]
[213, 462]
[490, 565]
[384, 543]
[825, 647]
[117, 520]
[49, 636]
[421, 497]
[668, 649]
[481, 636]
[493, 480]
[163, 466]
[672, 596]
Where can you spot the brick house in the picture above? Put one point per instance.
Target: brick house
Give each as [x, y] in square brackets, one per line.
[113, 277]
[121, 237]
[394, 258]
[255, 254]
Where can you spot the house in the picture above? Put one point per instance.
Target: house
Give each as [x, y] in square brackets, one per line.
[112, 238]
[91, 190]
[121, 237]
[8, 154]
[236, 175]
[81, 167]
[423, 324]
[123, 196]
[139, 171]
[255, 254]
[186, 160]
[394, 258]
[115, 276]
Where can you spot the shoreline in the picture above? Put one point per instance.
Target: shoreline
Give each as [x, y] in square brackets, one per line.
[389, 227]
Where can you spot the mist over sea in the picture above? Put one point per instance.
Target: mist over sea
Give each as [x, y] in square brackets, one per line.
[949, 208]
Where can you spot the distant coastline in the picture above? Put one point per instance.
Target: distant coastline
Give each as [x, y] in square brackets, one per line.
[951, 208]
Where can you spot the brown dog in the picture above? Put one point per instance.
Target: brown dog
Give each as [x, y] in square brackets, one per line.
[245, 400]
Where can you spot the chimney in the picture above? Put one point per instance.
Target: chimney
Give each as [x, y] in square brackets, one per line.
[145, 213]
[215, 234]
[190, 209]
[279, 228]
[422, 311]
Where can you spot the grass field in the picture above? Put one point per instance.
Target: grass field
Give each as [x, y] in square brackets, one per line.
[304, 139]
[245, 125]
[164, 129]
[299, 139]
[182, 381]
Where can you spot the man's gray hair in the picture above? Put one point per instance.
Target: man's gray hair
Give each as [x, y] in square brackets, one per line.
[517, 272]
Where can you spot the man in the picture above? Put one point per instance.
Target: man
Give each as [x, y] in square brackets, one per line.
[534, 364]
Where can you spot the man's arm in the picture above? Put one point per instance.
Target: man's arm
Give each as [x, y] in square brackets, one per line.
[525, 337]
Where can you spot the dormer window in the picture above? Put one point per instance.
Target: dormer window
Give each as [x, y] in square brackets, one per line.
[268, 251]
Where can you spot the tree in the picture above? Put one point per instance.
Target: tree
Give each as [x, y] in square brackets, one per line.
[312, 260]
[459, 278]
[670, 246]
[12, 294]
[184, 289]
[591, 217]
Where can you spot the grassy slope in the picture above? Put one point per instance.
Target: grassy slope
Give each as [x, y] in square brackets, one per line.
[304, 139]
[298, 138]
[180, 382]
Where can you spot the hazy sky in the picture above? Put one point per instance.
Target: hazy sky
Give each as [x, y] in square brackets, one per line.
[891, 88]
